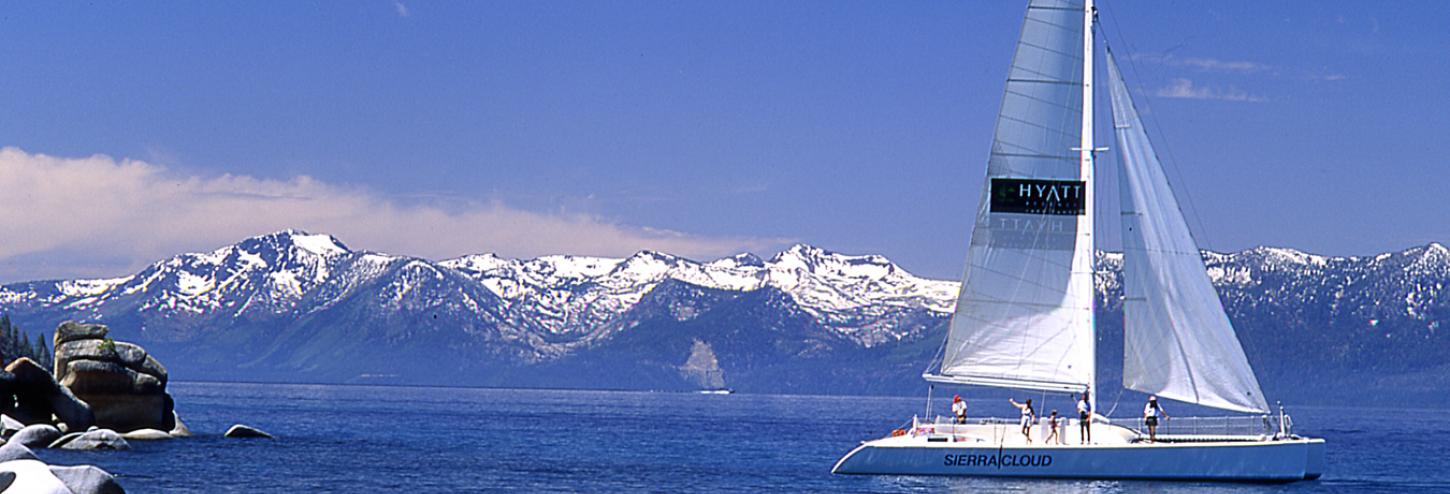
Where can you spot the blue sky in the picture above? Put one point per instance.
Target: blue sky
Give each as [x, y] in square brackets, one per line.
[135, 131]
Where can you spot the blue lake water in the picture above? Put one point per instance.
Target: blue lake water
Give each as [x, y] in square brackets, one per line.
[412, 439]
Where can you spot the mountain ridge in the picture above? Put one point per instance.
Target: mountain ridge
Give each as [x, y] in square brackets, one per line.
[293, 305]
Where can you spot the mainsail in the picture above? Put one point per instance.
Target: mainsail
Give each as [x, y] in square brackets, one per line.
[1024, 318]
[1178, 342]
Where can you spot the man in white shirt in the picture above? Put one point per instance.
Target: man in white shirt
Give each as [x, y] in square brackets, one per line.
[1085, 419]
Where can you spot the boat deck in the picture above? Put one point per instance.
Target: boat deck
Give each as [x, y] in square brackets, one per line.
[997, 447]
[1008, 432]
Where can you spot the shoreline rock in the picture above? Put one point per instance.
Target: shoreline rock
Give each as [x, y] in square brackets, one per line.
[87, 479]
[16, 451]
[27, 473]
[97, 439]
[146, 435]
[246, 431]
[124, 386]
[36, 435]
[181, 430]
[38, 396]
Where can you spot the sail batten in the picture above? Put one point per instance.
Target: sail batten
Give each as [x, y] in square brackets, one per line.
[1178, 341]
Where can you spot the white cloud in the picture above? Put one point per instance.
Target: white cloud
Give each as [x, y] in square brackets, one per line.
[98, 216]
[1215, 65]
[1206, 64]
[402, 9]
[1186, 89]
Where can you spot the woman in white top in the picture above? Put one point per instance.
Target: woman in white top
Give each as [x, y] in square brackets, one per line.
[1151, 412]
[1028, 416]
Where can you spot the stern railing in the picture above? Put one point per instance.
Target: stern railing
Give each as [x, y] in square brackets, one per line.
[1261, 426]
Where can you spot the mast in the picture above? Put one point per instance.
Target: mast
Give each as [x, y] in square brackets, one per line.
[1085, 162]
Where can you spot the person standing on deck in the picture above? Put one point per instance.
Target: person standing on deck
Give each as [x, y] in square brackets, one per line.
[1150, 417]
[1085, 419]
[1028, 417]
[1054, 435]
[959, 409]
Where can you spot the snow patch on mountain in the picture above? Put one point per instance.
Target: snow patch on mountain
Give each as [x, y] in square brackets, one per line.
[322, 245]
[90, 288]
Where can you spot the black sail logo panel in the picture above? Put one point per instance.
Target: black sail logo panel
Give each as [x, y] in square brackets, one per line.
[1035, 196]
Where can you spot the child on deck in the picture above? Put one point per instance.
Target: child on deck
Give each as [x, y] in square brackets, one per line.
[1053, 433]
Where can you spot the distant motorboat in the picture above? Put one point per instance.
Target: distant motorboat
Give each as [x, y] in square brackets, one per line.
[1025, 316]
[719, 391]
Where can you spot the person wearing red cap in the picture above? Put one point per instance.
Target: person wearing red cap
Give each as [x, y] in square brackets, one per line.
[959, 409]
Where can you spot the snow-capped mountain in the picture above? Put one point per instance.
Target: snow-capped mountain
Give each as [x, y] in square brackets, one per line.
[296, 306]
[862, 297]
[260, 274]
[546, 307]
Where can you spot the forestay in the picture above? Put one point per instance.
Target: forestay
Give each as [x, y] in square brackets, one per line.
[1178, 342]
[1024, 318]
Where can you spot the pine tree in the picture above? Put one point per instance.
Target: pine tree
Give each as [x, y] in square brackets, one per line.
[5, 338]
[25, 349]
[7, 331]
[42, 351]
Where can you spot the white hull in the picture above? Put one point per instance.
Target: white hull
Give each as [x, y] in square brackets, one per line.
[1284, 460]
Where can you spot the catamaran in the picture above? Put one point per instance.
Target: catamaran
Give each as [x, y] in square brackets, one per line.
[1024, 319]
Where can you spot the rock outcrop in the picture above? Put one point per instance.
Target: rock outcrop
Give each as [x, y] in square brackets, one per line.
[38, 397]
[58, 443]
[146, 435]
[181, 430]
[15, 451]
[33, 477]
[38, 435]
[9, 425]
[240, 430]
[21, 471]
[87, 479]
[97, 439]
[124, 386]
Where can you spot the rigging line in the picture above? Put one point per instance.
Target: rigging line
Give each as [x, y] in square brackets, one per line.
[1115, 402]
[937, 359]
[1172, 161]
[1042, 404]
